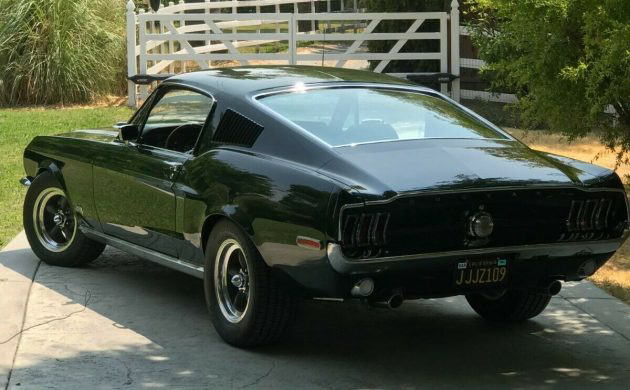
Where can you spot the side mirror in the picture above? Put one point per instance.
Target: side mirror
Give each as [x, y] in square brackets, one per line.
[128, 132]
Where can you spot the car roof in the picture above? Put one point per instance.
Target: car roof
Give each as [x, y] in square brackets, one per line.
[245, 80]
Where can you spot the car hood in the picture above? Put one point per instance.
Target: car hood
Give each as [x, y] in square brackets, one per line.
[448, 164]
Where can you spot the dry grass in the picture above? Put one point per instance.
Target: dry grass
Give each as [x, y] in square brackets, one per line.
[586, 149]
[614, 276]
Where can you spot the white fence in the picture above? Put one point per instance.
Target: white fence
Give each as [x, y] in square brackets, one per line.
[183, 36]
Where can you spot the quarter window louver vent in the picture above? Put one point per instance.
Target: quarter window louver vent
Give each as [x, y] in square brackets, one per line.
[236, 129]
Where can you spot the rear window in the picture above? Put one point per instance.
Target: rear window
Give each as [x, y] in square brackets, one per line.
[346, 116]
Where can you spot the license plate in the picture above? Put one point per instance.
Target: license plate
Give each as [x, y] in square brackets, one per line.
[481, 273]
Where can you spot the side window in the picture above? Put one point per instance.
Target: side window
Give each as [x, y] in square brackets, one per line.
[176, 120]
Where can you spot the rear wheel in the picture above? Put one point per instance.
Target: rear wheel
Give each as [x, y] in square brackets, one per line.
[511, 305]
[247, 305]
[51, 226]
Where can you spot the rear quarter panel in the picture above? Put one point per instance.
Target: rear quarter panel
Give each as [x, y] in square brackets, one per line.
[272, 200]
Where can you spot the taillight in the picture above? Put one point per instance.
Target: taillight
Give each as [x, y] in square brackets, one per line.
[364, 230]
[589, 215]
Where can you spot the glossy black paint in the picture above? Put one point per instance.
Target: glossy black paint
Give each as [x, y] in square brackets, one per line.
[288, 184]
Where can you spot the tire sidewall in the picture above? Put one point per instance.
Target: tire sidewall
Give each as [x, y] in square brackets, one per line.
[68, 256]
[234, 333]
[514, 306]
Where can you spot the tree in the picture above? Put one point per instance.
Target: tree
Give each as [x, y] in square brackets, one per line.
[567, 60]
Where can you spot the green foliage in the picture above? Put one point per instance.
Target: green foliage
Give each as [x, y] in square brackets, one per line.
[567, 60]
[404, 5]
[17, 129]
[498, 113]
[60, 51]
[401, 26]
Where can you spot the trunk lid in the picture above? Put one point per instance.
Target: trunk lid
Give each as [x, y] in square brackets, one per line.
[447, 164]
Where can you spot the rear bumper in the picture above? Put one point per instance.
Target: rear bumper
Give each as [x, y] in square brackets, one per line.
[345, 265]
[431, 275]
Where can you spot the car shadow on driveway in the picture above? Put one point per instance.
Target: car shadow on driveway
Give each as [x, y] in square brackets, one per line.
[147, 326]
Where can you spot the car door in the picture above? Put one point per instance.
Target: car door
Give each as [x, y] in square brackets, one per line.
[133, 181]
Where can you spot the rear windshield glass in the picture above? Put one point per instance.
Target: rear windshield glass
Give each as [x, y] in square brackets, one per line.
[346, 116]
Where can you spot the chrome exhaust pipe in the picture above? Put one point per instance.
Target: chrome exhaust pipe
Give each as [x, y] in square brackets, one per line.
[550, 287]
[554, 287]
[394, 301]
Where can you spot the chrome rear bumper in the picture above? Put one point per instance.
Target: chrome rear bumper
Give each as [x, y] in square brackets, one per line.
[345, 265]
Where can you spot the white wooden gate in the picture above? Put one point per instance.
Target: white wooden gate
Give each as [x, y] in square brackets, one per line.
[185, 36]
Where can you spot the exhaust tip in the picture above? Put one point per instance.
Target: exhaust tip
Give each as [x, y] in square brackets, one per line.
[554, 287]
[395, 301]
[392, 301]
[363, 288]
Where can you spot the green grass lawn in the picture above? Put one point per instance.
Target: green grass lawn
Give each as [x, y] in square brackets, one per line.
[17, 128]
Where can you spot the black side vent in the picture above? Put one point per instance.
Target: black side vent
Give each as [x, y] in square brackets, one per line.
[235, 129]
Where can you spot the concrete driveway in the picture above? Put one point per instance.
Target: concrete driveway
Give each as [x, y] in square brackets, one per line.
[124, 323]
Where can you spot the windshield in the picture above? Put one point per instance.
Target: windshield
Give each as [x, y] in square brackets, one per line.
[346, 116]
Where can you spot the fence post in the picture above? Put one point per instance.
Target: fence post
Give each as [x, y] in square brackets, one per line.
[312, 20]
[171, 44]
[444, 50]
[208, 43]
[278, 23]
[182, 24]
[131, 52]
[293, 31]
[455, 53]
[142, 56]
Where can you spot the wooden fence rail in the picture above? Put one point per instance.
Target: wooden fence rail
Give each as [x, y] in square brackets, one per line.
[183, 36]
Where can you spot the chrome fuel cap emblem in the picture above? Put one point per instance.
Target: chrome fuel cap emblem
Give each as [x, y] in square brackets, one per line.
[481, 225]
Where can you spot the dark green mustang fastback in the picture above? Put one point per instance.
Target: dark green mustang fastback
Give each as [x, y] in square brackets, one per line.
[275, 184]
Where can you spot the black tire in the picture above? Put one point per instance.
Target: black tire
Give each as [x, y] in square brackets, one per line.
[270, 306]
[74, 251]
[512, 306]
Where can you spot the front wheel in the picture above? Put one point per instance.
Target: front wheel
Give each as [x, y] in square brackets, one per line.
[509, 306]
[247, 305]
[51, 226]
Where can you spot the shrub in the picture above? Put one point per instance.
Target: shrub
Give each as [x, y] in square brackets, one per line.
[568, 61]
[60, 51]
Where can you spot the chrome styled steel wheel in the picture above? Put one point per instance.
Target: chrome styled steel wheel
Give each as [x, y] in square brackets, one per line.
[248, 306]
[231, 280]
[53, 220]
